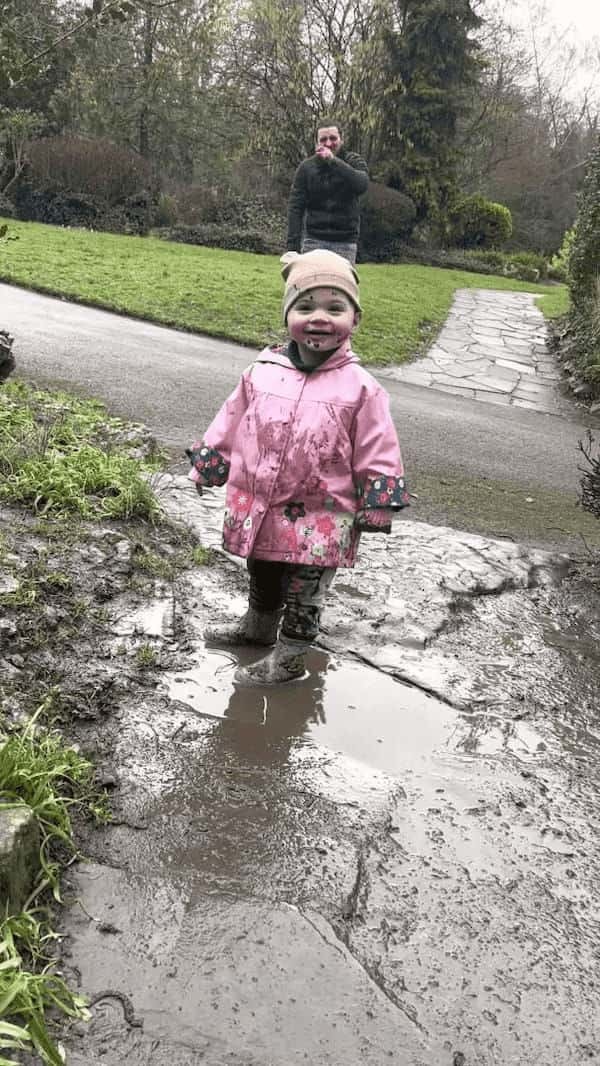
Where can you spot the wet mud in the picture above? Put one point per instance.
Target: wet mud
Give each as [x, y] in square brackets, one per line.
[352, 868]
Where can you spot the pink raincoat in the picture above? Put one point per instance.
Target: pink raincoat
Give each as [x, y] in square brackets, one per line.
[309, 459]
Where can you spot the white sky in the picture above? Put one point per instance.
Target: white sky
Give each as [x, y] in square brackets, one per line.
[559, 26]
[582, 17]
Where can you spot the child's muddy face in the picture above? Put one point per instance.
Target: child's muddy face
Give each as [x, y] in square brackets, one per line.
[321, 320]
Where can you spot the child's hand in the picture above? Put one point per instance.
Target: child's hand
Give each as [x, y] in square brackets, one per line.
[373, 521]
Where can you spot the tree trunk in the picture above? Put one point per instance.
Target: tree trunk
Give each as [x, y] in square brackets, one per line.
[148, 58]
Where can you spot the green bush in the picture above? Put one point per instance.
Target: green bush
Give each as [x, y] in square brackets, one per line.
[491, 257]
[387, 216]
[7, 208]
[59, 207]
[475, 222]
[221, 218]
[559, 264]
[56, 207]
[584, 277]
[528, 266]
[523, 266]
[200, 204]
[77, 181]
[166, 212]
[227, 236]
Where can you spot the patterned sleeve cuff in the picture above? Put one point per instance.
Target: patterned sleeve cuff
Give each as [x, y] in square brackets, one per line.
[381, 492]
[212, 468]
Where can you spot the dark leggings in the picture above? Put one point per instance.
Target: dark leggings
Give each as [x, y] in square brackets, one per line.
[299, 589]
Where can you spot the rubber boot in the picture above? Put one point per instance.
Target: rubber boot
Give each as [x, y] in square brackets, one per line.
[285, 663]
[256, 627]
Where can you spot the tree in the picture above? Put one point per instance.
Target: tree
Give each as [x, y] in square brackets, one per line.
[16, 128]
[434, 58]
[151, 88]
[38, 40]
[530, 124]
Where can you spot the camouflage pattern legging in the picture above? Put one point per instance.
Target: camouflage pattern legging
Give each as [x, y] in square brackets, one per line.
[299, 589]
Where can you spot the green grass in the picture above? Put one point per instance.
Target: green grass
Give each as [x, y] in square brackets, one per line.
[146, 657]
[29, 989]
[231, 294]
[555, 302]
[60, 454]
[39, 771]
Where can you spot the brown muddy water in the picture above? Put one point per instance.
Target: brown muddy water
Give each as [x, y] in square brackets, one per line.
[345, 869]
[343, 706]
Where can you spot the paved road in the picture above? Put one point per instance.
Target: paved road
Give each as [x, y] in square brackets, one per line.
[175, 381]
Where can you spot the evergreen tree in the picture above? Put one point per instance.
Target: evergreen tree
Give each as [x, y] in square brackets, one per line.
[584, 274]
[434, 60]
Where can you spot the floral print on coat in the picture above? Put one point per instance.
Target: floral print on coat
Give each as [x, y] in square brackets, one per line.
[305, 455]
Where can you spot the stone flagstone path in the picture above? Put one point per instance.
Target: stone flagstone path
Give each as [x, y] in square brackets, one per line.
[492, 347]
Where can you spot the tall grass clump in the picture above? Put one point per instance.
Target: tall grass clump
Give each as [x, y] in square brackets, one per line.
[38, 771]
[29, 988]
[62, 455]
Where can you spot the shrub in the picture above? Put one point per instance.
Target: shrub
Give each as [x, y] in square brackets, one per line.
[584, 276]
[387, 216]
[7, 361]
[7, 208]
[590, 481]
[166, 212]
[491, 257]
[56, 207]
[475, 222]
[527, 266]
[197, 204]
[59, 208]
[97, 168]
[221, 218]
[479, 262]
[559, 264]
[227, 236]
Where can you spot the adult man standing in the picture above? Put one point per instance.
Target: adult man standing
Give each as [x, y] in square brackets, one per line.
[323, 208]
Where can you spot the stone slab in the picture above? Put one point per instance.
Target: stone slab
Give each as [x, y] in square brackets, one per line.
[19, 855]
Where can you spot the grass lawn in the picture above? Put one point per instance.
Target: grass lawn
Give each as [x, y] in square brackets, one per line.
[233, 294]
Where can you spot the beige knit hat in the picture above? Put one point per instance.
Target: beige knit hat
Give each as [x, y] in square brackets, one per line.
[316, 270]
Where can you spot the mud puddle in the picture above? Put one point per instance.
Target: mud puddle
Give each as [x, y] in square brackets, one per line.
[348, 708]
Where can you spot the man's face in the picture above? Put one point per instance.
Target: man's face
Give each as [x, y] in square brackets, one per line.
[329, 137]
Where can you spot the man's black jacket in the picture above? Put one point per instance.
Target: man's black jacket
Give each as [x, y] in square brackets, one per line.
[327, 191]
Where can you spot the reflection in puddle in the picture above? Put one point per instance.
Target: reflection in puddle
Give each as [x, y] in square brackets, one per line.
[344, 706]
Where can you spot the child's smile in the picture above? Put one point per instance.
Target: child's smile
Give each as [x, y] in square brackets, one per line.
[321, 320]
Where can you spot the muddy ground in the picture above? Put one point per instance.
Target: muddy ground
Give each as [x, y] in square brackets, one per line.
[393, 860]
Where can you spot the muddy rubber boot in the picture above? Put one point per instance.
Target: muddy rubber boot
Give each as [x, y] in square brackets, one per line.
[285, 663]
[256, 627]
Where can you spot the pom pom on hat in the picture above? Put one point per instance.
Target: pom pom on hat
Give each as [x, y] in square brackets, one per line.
[317, 270]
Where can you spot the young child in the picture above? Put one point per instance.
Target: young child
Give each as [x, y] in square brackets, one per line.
[310, 455]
